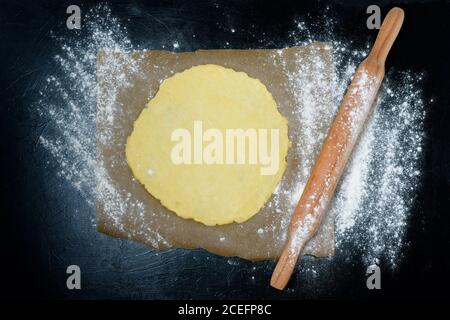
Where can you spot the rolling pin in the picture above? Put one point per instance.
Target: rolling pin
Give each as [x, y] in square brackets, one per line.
[337, 147]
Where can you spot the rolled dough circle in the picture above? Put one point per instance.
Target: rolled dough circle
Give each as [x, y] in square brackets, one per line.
[221, 98]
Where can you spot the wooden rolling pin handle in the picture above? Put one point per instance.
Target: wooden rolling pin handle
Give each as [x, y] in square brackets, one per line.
[342, 136]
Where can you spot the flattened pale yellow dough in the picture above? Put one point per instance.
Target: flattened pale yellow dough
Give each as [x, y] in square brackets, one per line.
[222, 98]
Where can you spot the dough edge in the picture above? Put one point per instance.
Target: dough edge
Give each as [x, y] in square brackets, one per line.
[282, 165]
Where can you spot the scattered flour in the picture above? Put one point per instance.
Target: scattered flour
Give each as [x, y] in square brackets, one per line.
[373, 201]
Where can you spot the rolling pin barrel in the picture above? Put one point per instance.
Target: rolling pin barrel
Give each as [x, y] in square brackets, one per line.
[337, 148]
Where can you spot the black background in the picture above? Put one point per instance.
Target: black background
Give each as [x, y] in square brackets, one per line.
[43, 225]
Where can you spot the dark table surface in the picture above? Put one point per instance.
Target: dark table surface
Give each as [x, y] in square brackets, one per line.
[43, 226]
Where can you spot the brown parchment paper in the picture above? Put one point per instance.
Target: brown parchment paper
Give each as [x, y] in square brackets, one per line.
[261, 237]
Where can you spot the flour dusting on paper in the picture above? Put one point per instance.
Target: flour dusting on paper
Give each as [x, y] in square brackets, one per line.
[374, 199]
